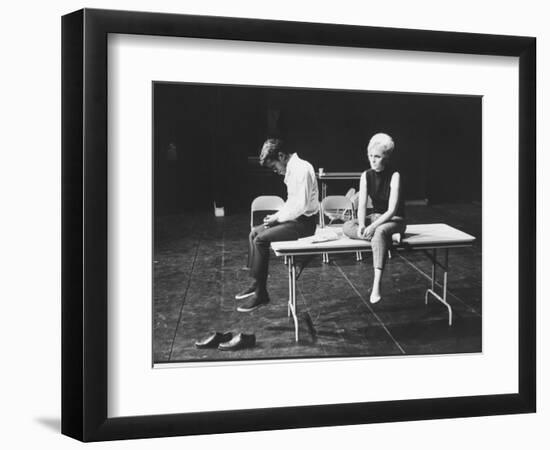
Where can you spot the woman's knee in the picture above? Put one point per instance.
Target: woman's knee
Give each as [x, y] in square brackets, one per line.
[380, 237]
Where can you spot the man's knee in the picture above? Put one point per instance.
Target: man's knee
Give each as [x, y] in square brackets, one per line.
[256, 231]
[260, 239]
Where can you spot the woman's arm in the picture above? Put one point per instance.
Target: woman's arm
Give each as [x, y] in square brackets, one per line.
[393, 202]
[362, 204]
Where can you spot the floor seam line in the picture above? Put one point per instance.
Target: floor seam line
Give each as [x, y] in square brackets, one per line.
[222, 270]
[184, 297]
[371, 310]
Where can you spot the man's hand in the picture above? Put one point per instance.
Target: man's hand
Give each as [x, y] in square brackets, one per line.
[360, 231]
[270, 220]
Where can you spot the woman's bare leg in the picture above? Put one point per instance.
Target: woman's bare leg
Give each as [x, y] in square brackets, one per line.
[376, 293]
[381, 242]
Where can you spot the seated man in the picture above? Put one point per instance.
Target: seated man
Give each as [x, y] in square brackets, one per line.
[296, 219]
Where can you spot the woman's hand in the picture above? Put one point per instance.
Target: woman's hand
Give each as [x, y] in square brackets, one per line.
[368, 233]
[365, 232]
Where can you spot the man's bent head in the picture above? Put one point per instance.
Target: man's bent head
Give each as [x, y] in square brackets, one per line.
[274, 156]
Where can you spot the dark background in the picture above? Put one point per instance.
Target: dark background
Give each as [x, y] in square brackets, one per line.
[218, 132]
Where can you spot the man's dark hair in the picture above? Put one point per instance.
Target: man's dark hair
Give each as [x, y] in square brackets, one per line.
[271, 149]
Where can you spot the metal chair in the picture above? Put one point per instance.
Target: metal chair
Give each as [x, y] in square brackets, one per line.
[350, 193]
[355, 202]
[264, 203]
[336, 207]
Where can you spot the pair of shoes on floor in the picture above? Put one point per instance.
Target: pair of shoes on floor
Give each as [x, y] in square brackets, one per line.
[214, 340]
[239, 342]
[256, 300]
[227, 341]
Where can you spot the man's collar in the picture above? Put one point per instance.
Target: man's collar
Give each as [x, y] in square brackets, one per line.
[293, 157]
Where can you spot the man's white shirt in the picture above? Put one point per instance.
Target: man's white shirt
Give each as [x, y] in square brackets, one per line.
[302, 190]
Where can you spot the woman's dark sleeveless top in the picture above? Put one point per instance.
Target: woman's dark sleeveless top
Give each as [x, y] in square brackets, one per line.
[378, 189]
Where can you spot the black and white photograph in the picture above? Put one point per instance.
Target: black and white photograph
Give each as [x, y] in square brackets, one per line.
[300, 223]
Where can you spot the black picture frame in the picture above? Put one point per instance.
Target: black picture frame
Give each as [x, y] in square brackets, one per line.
[84, 224]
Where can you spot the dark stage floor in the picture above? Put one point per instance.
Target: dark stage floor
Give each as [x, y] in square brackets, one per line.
[199, 267]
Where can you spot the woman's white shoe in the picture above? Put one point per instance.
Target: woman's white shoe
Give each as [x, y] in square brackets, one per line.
[375, 298]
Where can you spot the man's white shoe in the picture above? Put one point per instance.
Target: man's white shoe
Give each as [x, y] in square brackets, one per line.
[246, 293]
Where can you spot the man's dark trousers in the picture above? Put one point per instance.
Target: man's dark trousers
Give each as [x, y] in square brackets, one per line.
[261, 238]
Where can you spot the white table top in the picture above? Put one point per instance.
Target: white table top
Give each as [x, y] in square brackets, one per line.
[433, 235]
[339, 175]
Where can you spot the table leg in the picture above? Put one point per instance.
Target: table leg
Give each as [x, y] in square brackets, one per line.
[434, 268]
[294, 309]
[292, 294]
[287, 262]
[445, 267]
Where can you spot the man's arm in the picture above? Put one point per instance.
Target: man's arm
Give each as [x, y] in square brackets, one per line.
[299, 192]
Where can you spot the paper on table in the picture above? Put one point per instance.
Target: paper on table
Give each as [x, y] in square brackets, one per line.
[322, 236]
